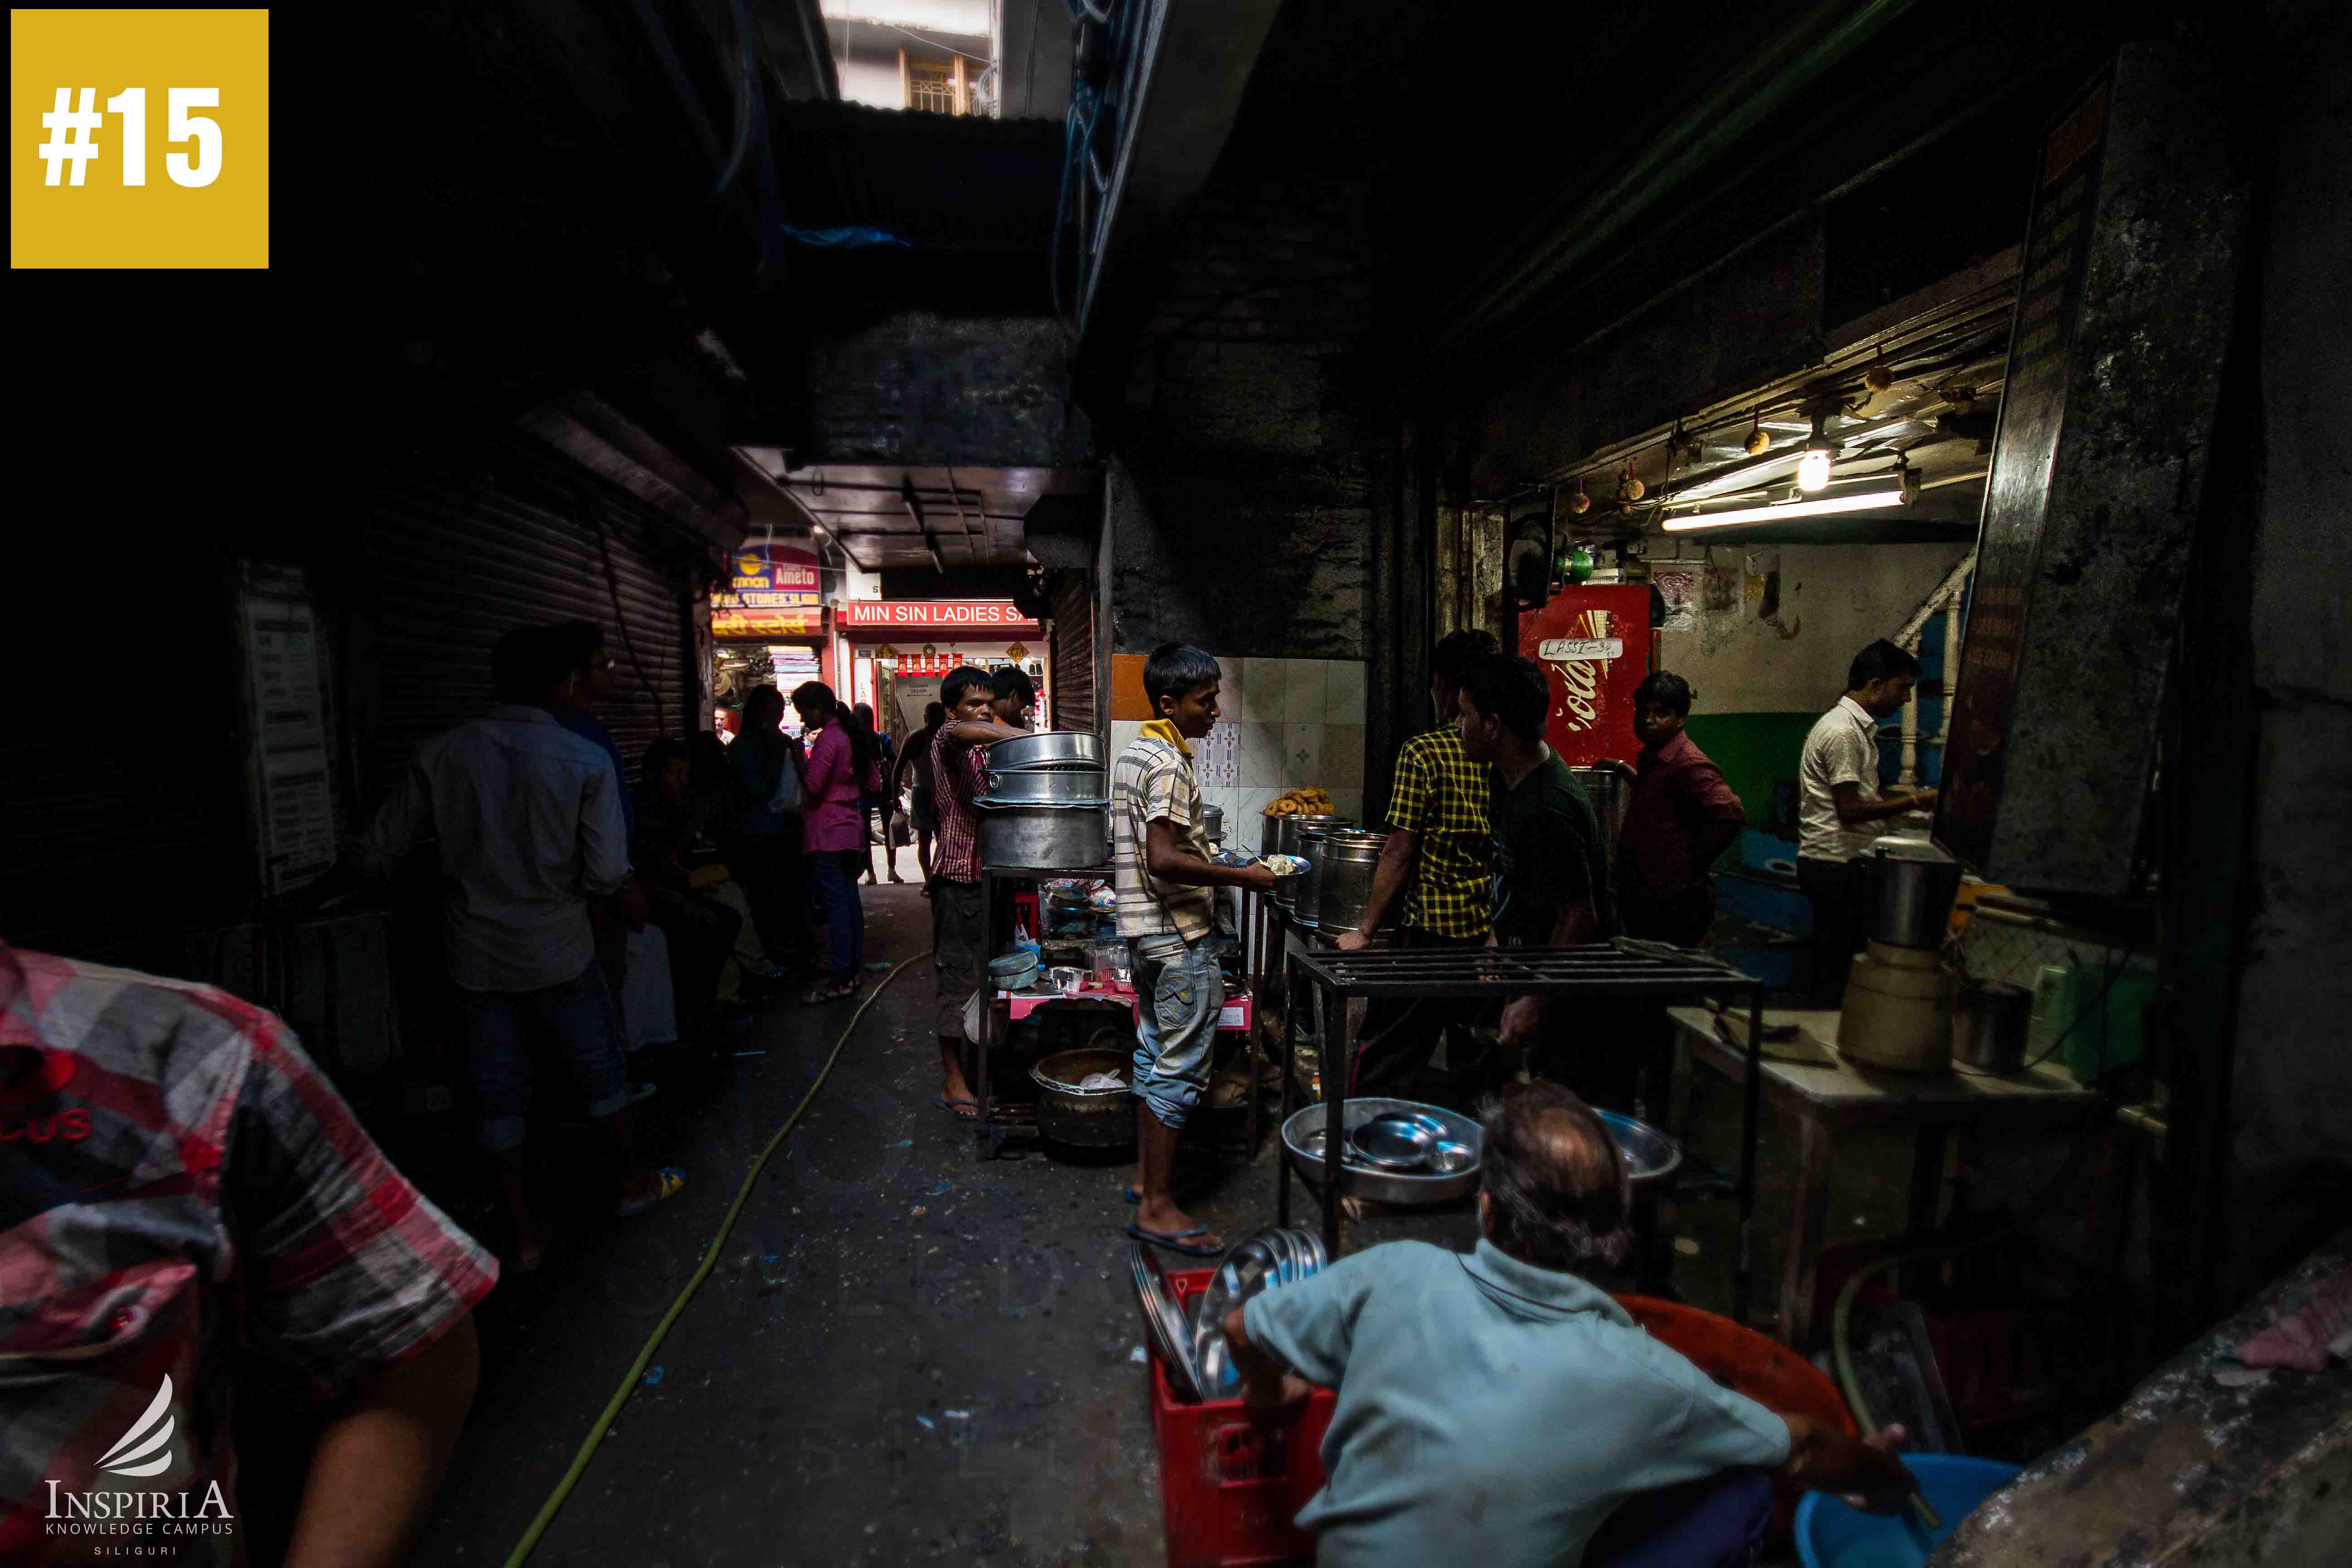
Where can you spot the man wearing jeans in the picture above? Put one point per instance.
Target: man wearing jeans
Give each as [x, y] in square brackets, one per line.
[1164, 880]
[528, 819]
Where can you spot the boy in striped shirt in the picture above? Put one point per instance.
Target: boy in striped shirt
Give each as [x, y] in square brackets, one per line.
[1166, 909]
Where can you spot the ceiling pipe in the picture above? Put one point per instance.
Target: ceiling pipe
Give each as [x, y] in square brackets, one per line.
[914, 509]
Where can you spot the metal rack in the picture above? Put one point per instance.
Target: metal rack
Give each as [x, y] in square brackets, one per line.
[987, 1136]
[1623, 968]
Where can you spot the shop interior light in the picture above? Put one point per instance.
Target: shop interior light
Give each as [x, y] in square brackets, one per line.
[1809, 506]
[1813, 467]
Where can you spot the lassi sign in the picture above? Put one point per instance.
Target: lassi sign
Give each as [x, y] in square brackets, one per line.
[1573, 650]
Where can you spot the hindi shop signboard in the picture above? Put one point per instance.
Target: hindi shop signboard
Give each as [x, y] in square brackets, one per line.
[934, 615]
[775, 592]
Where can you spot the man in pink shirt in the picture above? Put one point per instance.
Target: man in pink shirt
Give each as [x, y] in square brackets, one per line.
[843, 770]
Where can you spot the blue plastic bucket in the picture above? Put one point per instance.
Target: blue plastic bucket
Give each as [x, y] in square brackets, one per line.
[1831, 1534]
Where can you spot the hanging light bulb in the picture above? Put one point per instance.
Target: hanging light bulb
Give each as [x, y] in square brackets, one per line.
[1813, 467]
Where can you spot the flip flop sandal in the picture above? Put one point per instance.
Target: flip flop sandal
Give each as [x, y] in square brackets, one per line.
[668, 1181]
[1174, 1241]
[542, 1237]
[825, 993]
[950, 1107]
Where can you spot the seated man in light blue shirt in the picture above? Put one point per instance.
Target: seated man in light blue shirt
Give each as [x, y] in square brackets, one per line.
[1495, 1408]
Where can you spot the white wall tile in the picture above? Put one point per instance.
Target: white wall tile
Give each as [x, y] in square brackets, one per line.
[1223, 798]
[1343, 756]
[1229, 690]
[1250, 807]
[1217, 756]
[1349, 803]
[1260, 688]
[1302, 753]
[1123, 733]
[1343, 692]
[1258, 756]
[1304, 689]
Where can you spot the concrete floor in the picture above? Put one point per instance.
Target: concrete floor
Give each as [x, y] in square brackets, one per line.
[899, 1355]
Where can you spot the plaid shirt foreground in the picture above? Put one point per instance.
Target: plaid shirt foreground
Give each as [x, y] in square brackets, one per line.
[960, 776]
[177, 1178]
[1440, 797]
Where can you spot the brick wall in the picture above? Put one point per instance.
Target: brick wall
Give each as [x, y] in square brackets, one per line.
[915, 387]
[1242, 471]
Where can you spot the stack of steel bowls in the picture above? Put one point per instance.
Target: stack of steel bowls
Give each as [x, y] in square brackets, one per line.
[1047, 804]
[1267, 1260]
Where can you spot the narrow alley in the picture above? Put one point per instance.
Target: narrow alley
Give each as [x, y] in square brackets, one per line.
[1117, 783]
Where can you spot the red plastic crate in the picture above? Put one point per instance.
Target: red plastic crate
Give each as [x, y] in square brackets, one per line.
[1231, 1479]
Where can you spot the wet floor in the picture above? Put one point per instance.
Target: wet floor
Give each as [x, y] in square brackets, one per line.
[899, 1355]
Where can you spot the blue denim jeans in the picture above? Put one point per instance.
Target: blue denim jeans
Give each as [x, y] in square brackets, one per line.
[1715, 1521]
[579, 1013]
[1181, 994]
[837, 872]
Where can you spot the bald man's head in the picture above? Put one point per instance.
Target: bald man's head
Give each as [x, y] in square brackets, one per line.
[1558, 1194]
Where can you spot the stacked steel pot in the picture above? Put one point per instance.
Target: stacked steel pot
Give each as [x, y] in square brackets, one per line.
[1047, 805]
[1300, 834]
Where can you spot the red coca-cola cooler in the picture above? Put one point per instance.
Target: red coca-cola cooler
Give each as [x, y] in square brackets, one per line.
[1595, 644]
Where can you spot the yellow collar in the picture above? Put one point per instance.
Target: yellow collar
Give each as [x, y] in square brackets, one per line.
[1165, 730]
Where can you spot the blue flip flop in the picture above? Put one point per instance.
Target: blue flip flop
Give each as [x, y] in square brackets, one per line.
[666, 1183]
[1133, 1196]
[1174, 1241]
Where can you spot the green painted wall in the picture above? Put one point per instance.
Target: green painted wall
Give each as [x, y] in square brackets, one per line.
[1755, 751]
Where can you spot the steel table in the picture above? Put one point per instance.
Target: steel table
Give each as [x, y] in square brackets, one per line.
[1829, 1095]
[1623, 968]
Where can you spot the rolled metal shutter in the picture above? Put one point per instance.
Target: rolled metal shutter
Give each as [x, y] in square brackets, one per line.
[1073, 647]
[454, 560]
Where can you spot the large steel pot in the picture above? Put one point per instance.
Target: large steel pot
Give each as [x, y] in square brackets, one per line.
[1303, 1142]
[1089, 1117]
[1343, 884]
[1282, 839]
[1213, 824]
[1042, 838]
[1050, 786]
[1913, 884]
[1307, 899]
[1610, 792]
[1048, 749]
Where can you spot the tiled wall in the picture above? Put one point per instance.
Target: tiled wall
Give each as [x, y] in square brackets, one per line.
[1282, 722]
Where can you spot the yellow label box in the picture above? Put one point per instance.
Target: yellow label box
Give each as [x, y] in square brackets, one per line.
[140, 139]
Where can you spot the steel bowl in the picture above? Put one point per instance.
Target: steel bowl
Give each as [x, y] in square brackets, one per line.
[1264, 1260]
[1446, 1157]
[1650, 1155]
[1303, 1144]
[1163, 1321]
[1394, 1143]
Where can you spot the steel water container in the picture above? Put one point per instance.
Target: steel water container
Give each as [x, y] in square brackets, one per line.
[1913, 884]
[1305, 902]
[1343, 886]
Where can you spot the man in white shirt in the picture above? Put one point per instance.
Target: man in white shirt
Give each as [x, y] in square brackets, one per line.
[528, 815]
[1839, 807]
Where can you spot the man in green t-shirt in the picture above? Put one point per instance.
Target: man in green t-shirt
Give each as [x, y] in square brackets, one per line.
[1549, 881]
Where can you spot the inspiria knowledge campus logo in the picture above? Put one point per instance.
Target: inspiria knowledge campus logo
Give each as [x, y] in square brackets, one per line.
[144, 1450]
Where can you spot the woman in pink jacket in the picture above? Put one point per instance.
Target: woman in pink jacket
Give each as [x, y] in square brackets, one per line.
[841, 771]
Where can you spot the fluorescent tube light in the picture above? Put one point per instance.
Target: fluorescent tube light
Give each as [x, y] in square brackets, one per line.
[1813, 506]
